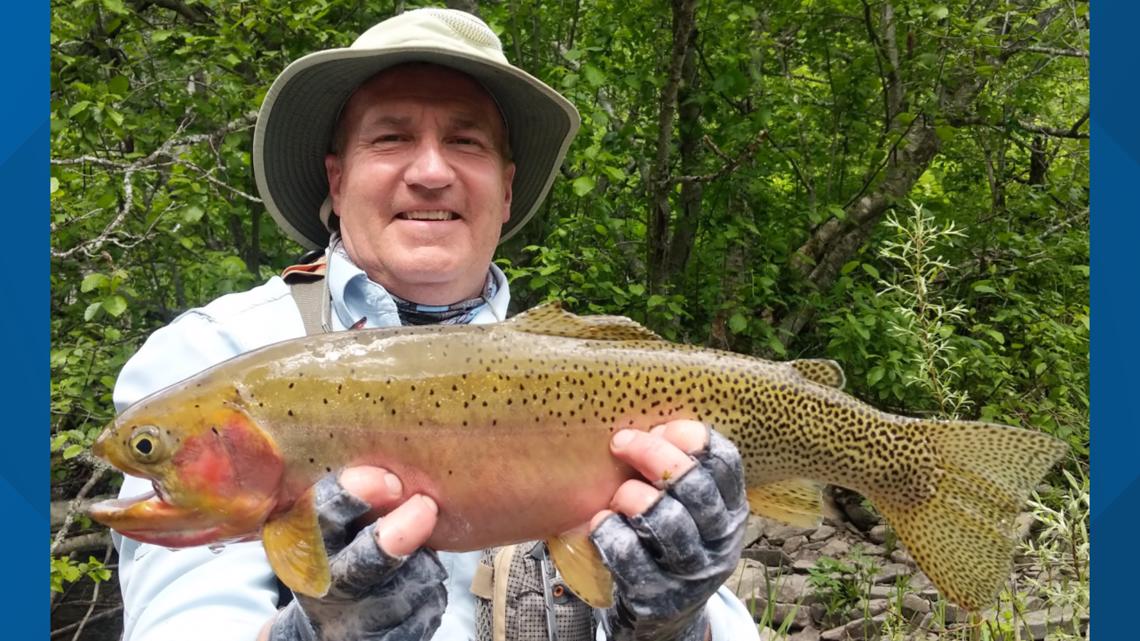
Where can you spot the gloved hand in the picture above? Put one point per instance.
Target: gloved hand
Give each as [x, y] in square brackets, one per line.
[374, 595]
[670, 550]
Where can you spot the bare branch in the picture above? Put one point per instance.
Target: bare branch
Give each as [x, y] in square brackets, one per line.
[97, 475]
[1051, 51]
[1056, 132]
[731, 164]
[84, 543]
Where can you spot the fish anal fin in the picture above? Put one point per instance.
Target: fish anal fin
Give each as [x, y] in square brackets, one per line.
[581, 568]
[820, 370]
[551, 320]
[795, 501]
[296, 550]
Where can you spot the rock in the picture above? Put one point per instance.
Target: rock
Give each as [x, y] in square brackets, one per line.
[872, 550]
[754, 530]
[822, 532]
[771, 557]
[913, 605]
[1041, 623]
[857, 629]
[806, 561]
[768, 634]
[1023, 525]
[792, 588]
[835, 548]
[879, 533]
[758, 604]
[891, 571]
[748, 577]
[793, 543]
[782, 532]
[900, 556]
[807, 634]
[878, 606]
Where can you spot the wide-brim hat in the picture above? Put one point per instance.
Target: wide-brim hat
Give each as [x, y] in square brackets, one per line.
[296, 122]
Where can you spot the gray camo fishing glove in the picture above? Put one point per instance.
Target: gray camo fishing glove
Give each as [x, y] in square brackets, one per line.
[372, 597]
[668, 561]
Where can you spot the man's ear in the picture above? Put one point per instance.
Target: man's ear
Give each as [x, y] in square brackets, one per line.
[333, 172]
[508, 189]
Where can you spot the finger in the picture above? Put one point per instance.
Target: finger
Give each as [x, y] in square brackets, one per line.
[671, 536]
[688, 435]
[633, 570]
[700, 495]
[376, 486]
[406, 528]
[722, 460]
[634, 497]
[655, 458]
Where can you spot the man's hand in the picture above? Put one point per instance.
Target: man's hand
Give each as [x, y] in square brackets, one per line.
[673, 538]
[384, 585]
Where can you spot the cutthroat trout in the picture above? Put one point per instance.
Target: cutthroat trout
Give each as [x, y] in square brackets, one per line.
[507, 427]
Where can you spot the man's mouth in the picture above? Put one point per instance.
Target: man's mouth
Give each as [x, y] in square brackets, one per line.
[436, 214]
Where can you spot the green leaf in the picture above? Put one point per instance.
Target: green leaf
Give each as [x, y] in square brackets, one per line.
[939, 12]
[871, 271]
[93, 281]
[984, 287]
[615, 173]
[78, 108]
[838, 212]
[115, 305]
[848, 267]
[875, 375]
[54, 184]
[115, 6]
[737, 323]
[996, 335]
[72, 451]
[119, 85]
[637, 289]
[593, 75]
[656, 300]
[91, 310]
[583, 185]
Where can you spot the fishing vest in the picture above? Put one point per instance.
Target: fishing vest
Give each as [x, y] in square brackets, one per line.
[519, 596]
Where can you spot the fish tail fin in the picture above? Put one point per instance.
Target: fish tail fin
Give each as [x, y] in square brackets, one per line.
[962, 532]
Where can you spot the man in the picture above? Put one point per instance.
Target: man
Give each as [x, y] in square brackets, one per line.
[409, 155]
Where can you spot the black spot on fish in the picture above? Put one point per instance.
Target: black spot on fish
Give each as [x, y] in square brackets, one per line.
[290, 412]
[291, 385]
[312, 460]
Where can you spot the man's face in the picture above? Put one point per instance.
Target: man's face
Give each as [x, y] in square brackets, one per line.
[420, 182]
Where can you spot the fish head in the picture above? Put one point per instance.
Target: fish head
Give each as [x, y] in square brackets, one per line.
[216, 473]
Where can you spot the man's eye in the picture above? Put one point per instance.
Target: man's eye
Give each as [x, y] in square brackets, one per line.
[468, 141]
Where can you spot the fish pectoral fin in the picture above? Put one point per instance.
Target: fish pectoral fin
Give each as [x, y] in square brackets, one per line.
[795, 501]
[821, 370]
[582, 569]
[296, 550]
[551, 320]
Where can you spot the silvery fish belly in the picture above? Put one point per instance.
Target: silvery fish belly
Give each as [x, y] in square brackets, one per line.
[507, 427]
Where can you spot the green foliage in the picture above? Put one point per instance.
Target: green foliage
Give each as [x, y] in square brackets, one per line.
[65, 570]
[800, 128]
[842, 586]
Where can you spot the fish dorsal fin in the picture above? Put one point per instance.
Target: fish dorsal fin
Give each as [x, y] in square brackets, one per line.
[551, 320]
[582, 569]
[795, 501]
[820, 370]
[296, 550]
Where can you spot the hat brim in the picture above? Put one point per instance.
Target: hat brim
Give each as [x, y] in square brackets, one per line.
[297, 119]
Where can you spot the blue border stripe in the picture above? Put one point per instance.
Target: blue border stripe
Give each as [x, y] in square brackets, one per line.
[24, 482]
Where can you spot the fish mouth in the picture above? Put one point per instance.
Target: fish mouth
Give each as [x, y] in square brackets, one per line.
[151, 519]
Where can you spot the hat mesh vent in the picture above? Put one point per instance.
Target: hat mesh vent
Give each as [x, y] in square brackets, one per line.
[469, 28]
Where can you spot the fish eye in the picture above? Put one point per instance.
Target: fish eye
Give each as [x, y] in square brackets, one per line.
[146, 444]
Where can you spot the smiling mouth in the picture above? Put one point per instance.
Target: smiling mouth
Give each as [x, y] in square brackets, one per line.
[439, 214]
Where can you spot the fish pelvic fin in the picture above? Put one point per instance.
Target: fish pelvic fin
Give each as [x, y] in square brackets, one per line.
[795, 501]
[581, 567]
[962, 534]
[296, 550]
[550, 319]
[821, 370]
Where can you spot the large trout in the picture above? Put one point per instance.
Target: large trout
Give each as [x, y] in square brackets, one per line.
[507, 427]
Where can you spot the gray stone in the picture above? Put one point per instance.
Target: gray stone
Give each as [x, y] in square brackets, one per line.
[768, 634]
[900, 556]
[807, 634]
[891, 571]
[835, 548]
[794, 543]
[748, 577]
[754, 530]
[912, 605]
[863, 518]
[879, 533]
[782, 615]
[1041, 623]
[857, 629]
[771, 557]
[822, 532]
[806, 560]
[791, 588]
[782, 532]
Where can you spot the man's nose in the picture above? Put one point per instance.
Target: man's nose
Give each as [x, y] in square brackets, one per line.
[429, 168]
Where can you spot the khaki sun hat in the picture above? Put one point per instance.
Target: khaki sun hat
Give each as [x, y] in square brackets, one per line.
[296, 122]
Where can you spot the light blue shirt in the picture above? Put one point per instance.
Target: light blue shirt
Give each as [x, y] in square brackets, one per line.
[194, 593]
